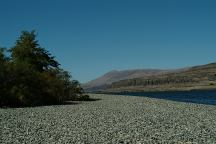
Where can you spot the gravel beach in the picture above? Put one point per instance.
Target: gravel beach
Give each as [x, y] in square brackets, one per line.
[113, 120]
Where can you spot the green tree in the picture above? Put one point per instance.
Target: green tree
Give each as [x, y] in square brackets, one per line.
[28, 51]
[4, 77]
[2, 55]
[33, 77]
[29, 63]
[2, 73]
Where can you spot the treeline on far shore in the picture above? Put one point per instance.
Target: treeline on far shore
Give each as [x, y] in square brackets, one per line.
[30, 76]
[199, 75]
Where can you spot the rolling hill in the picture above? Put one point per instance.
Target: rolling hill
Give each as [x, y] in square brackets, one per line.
[197, 77]
[113, 76]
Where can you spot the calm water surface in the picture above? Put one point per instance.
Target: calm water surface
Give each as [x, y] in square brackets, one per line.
[196, 96]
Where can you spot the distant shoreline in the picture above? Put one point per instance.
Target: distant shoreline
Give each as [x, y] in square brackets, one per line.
[193, 78]
[208, 88]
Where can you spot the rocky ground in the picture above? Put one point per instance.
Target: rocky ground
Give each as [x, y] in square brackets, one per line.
[113, 119]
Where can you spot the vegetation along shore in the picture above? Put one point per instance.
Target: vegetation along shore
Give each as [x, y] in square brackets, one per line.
[31, 76]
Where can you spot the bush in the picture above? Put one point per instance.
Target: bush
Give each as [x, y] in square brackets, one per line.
[211, 84]
[31, 76]
[84, 98]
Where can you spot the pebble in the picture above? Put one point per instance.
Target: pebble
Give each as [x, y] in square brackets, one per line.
[112, 119]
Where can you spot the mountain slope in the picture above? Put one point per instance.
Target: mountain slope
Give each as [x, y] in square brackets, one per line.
[104, 81]
[197, 77]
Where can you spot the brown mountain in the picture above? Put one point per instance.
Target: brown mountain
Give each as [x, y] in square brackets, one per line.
[198, 77]
[107, 79]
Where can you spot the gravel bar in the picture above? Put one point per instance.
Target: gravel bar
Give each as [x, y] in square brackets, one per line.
[111, 120]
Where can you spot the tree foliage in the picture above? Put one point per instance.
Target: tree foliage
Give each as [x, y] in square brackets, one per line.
[3, 75]
[32, 76]
[27, 50]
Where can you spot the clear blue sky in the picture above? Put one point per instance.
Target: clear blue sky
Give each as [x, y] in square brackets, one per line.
[91, 37]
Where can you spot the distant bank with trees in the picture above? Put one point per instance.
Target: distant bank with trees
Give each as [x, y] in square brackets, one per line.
[30, 76]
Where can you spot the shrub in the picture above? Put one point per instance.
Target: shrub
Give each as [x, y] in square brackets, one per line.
[31, 76]
[84, 98]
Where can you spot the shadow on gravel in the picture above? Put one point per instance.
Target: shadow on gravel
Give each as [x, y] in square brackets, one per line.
[57, 104]
[42, 105]
[207, 97]
[93, 99]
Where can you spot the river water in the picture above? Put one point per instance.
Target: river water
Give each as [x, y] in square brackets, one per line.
[196, 96]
